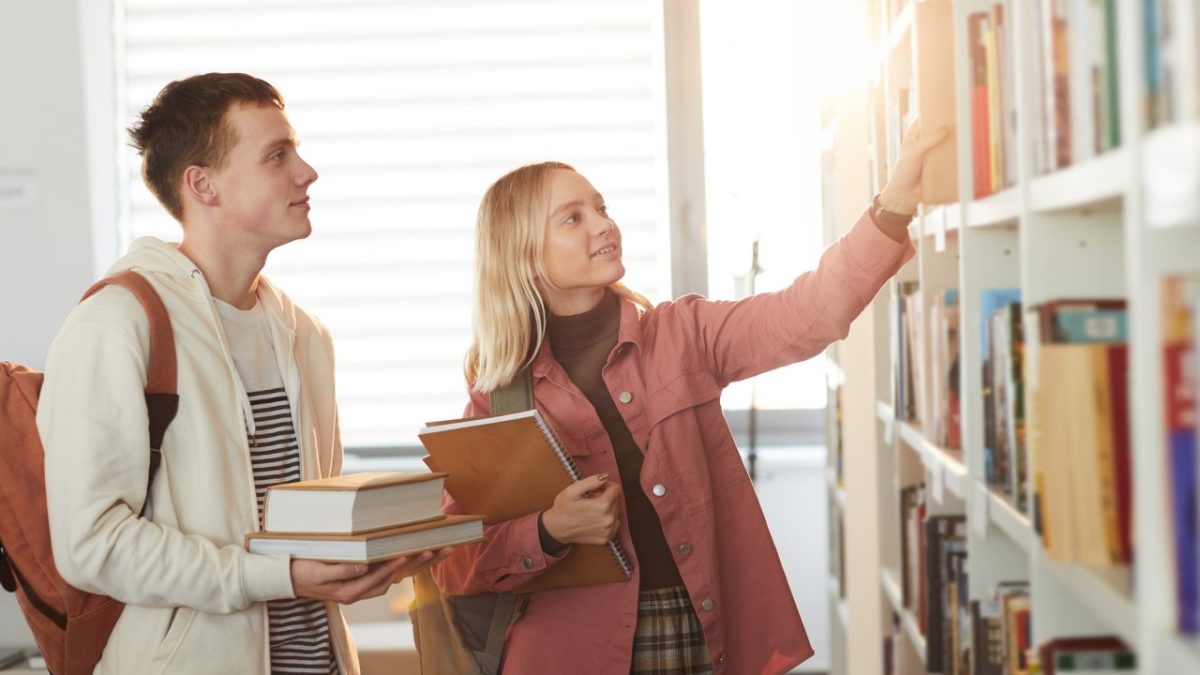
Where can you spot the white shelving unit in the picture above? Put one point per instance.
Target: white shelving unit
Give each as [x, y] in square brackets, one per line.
[1112, 225]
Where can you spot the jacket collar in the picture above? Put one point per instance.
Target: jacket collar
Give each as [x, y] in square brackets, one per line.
[629, 333]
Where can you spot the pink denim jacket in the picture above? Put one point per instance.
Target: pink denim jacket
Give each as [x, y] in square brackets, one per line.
[666, 374]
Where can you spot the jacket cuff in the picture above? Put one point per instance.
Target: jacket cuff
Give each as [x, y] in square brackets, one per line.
[267, 577]
[869, 247]
[524, 552]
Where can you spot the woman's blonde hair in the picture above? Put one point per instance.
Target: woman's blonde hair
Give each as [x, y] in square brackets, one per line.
[509, 319]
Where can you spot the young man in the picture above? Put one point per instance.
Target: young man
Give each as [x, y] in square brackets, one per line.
[257, 407]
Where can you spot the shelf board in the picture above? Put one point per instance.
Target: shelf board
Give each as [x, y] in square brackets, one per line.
[1103, 593]
[900, 27]
[1089, 183]
[835, 377]
[1171, 176]
[948, 462]
[884, 412]
[1181, 651]
[843, 612]
[940, 219]
[1009, 520]
[835, 489]
[891, 587]
[1001, 208]
[890, 580]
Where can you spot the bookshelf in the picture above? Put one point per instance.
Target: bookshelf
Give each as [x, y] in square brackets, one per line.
[1113, 221]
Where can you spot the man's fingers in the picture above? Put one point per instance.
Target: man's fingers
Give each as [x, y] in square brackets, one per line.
[332, 572]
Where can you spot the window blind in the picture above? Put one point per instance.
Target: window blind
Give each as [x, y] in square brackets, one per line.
[408, 110]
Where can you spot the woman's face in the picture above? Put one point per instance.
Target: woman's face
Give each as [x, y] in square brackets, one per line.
[581, 247]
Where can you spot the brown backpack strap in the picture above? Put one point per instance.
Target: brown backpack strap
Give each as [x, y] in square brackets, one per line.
[162, 397]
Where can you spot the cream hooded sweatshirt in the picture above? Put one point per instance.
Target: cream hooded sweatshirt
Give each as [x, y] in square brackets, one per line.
[195, 597]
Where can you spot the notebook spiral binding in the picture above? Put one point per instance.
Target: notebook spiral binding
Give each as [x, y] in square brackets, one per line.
[568, 462]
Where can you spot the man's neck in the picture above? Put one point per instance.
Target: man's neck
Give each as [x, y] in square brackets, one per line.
[232, 272]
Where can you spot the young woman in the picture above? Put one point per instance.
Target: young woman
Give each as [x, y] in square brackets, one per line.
[633, 391]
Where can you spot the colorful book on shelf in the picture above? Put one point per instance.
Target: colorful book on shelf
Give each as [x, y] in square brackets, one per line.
[373, 546]
[1098, 654]
[944, 535]
[1077, 320]
[981, 148]
[990, 302]
[508, 466]
[1180, 297]
[353, 503]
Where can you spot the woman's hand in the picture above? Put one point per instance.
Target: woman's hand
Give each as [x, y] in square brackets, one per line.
[585, 512]
[903, 190]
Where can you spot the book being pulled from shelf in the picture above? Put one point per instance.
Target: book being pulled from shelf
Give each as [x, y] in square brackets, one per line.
[368, 547]
[508, 466]
[353, 503]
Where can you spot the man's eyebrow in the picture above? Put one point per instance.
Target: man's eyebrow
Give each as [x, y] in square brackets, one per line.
[282, 141]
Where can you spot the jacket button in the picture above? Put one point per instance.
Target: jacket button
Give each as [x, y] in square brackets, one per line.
[527, 562]
[707, 605]
[721, 659]
[659, 490]
[625, 397]
[685, 549]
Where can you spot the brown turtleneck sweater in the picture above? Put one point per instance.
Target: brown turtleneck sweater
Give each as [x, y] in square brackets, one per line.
[581, 344]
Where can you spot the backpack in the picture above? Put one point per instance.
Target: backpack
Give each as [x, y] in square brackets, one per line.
[464, 634]
[71, 627]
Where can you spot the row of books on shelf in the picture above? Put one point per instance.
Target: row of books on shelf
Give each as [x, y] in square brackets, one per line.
[993, 103]
[1172, 61]
[991, 635]
[1078, 92]
[1081, 471]
[940, 414]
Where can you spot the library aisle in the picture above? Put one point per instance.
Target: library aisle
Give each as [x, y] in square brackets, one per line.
[1012, 424]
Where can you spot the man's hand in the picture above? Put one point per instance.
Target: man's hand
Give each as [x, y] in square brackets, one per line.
[903, 190]
[585, 512]
[347, 583]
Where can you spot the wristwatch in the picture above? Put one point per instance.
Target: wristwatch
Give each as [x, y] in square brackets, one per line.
[882, 216]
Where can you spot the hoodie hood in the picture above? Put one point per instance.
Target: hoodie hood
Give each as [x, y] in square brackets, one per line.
[163, 260]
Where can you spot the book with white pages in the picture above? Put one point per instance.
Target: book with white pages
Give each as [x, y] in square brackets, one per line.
[353, 503]
[369, 547]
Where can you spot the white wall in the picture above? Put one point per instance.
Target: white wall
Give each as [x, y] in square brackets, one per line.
[47, 248]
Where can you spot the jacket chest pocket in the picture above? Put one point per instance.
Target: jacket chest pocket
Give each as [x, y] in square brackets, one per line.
[687, 391]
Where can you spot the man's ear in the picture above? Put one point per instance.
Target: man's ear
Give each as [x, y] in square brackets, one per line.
[198, 185]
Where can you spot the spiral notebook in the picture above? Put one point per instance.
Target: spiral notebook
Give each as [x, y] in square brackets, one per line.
[507, 466]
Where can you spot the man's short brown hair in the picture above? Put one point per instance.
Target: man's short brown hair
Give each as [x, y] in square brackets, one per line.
[185, 126]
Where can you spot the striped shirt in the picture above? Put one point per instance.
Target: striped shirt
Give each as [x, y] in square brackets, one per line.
[299, 628]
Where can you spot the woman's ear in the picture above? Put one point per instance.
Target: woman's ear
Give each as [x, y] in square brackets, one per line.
[198, 186]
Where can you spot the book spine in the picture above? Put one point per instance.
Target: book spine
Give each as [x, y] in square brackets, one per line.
[572, 469]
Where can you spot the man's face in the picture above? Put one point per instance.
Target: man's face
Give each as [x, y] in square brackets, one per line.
[262, 191]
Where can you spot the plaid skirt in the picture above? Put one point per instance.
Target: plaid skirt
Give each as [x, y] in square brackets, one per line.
[668, 639]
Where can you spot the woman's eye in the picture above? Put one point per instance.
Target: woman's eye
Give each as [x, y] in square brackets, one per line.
[571, 219]
[603, 210]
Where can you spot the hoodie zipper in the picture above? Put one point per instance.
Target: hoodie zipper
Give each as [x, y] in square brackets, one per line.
[246, 410]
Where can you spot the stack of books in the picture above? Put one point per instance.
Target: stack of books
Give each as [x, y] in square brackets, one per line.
[362, 517]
